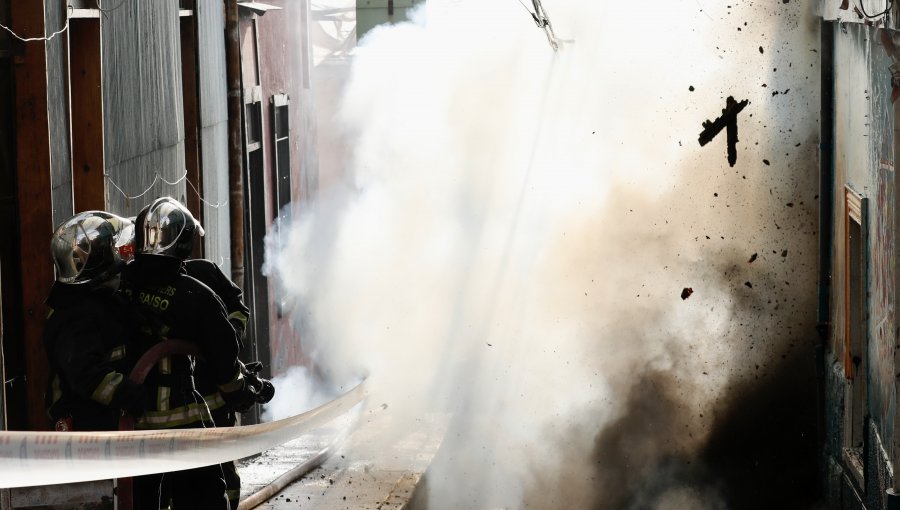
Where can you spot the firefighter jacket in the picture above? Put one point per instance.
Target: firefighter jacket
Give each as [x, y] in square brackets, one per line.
[208, 273]
[166, 303]
[88, 349]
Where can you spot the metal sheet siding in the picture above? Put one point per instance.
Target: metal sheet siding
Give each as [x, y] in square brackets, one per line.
[143, 116]
[58, 112]
[216, 219]
[304, 143]
[211, 42]
[214, 131]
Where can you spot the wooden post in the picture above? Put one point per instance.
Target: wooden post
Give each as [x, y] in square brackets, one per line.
[191, 105]
[86, 85]
[34, 205]
[235, 141]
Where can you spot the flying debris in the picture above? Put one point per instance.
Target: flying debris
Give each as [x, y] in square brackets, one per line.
[728, 120]
[543, 22]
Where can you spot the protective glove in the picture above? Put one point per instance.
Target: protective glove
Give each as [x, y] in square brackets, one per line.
[241, 400]
[129, 397]
[263, 388]
[254, 367]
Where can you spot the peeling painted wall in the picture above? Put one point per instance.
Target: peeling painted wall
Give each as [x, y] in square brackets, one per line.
[282, 39]
[878, 13]
[881, 228]
[864, 162]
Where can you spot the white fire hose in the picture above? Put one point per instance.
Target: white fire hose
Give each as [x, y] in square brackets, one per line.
[46, 458]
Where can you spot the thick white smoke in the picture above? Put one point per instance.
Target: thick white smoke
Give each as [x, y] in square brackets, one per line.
[513, 238]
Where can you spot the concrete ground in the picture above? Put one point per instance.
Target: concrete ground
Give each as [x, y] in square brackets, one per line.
[373, 468]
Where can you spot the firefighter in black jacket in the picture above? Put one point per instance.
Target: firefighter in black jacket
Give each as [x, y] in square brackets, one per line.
[166, 303]
[223, 415]
[86, 336]
[208, 273]
[231, 295]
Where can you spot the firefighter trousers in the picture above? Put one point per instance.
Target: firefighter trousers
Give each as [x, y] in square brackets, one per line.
[191, 489]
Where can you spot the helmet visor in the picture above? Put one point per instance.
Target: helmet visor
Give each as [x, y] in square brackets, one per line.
[82, 247]
[168, 228]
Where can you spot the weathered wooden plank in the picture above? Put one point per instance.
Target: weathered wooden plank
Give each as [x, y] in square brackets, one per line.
[33, 188]
[85, 78]
[190, 104]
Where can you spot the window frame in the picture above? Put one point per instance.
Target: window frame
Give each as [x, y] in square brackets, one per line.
[855, 331]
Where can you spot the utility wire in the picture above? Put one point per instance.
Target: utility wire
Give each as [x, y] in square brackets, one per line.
[101, 9]
[862, 7]
[49, 37]
[214, 206]
[542, 20]
[526, 7]
[70, 8]
[157, 178]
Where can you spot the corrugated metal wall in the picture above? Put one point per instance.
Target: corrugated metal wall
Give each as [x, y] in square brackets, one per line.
[214, 131]
[58, 111]
[143, 111]
[306, 128]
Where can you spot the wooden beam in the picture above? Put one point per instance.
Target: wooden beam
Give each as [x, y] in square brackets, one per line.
[235, 141]
[34, 206]
[84, 13]
[85, 82]
[190, 95]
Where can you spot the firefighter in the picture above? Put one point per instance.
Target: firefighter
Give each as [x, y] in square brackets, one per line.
[86, 335]
[166, 303]
[208, 273]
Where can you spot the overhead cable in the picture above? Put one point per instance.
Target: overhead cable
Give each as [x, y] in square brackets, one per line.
[157, 178]
[70, 8]
[47, 38]
[542, 20]
[862, 7]
[101, 9]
